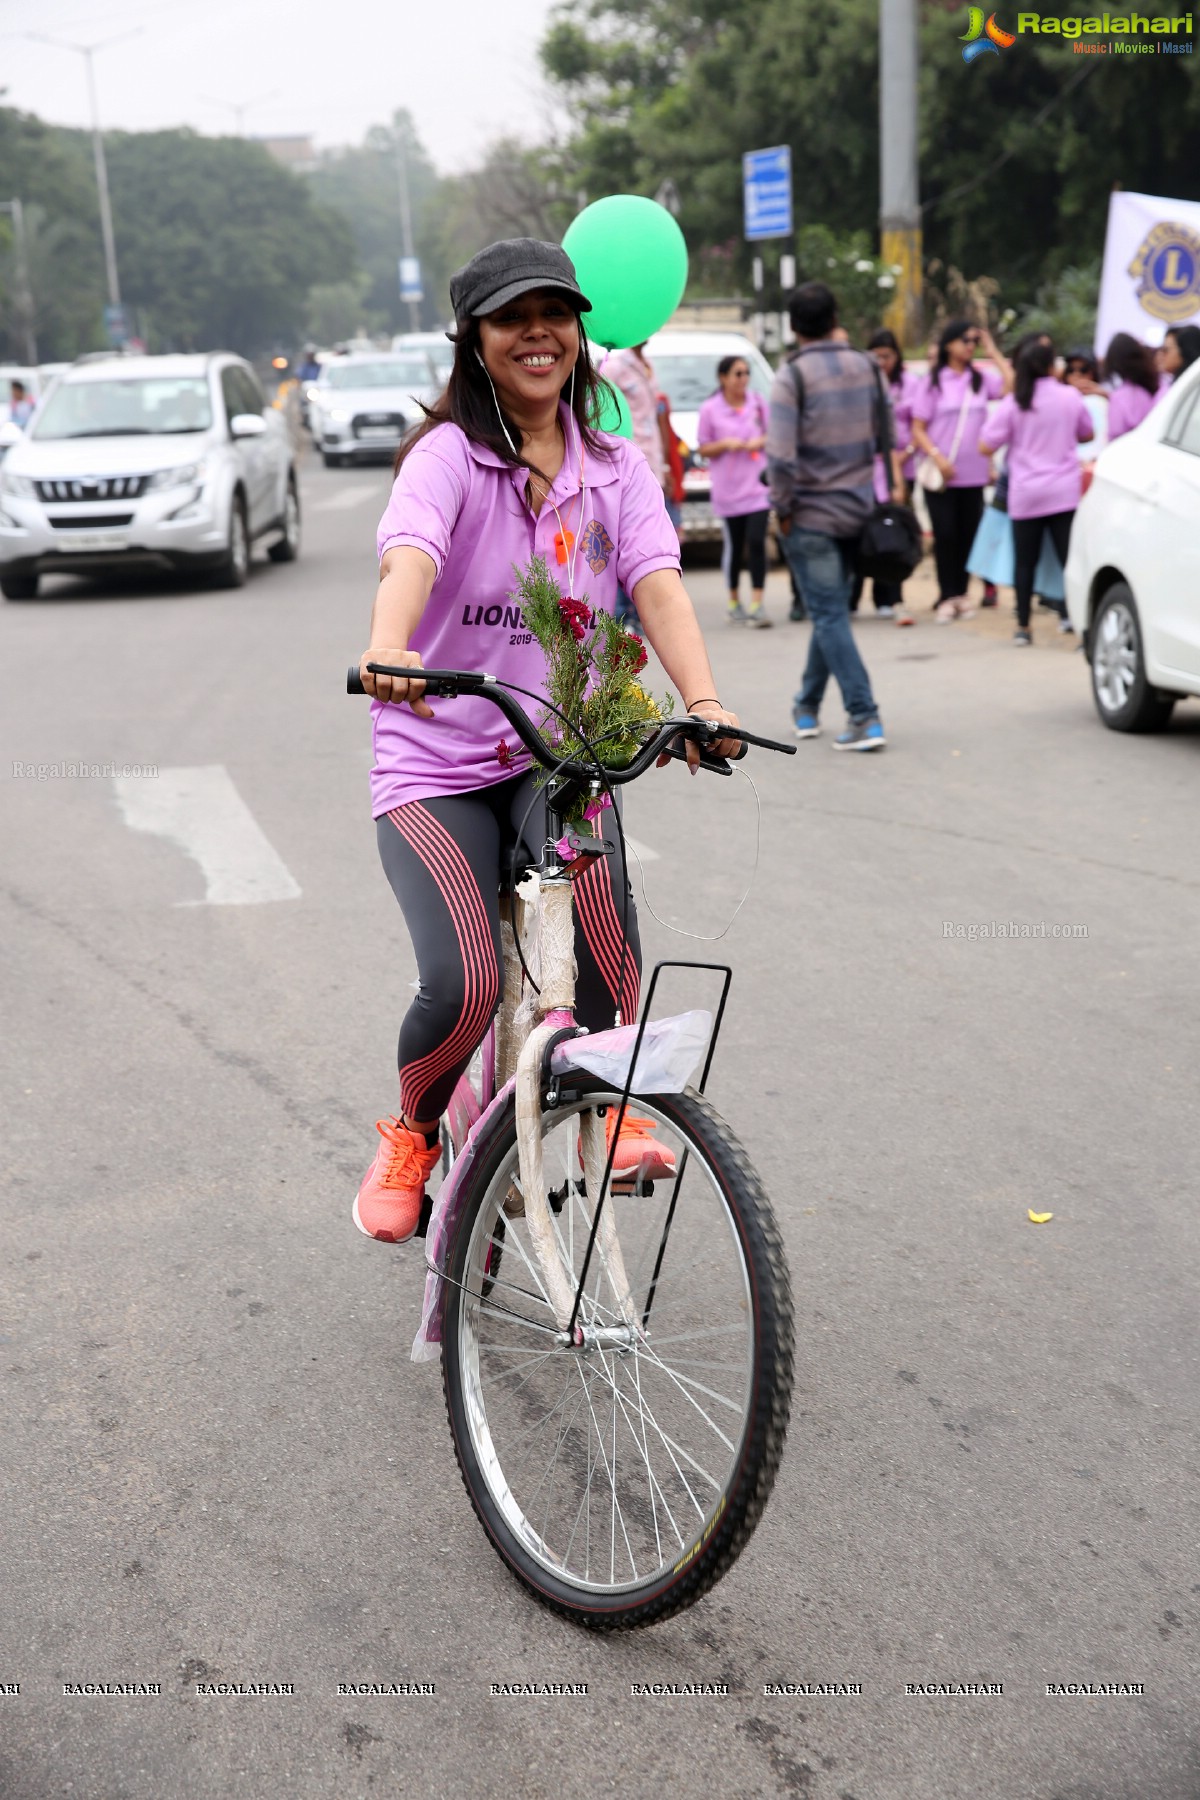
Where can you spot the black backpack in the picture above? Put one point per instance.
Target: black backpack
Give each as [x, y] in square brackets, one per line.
[890, 546]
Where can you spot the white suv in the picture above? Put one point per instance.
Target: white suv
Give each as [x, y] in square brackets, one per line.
[148, 462]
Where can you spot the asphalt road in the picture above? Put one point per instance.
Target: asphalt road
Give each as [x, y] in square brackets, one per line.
[220, 1465]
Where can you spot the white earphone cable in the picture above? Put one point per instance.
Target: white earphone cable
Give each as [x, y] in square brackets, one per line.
[703, 937]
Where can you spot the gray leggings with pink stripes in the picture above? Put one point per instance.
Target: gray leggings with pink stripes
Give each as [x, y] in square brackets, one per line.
[443, 859]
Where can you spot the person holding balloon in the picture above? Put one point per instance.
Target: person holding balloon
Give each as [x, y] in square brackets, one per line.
[509, 464]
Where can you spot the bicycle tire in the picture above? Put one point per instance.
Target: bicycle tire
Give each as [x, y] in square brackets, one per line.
[722, 1535]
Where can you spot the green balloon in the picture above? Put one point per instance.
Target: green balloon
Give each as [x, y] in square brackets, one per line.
[613, 413]
[632, 264]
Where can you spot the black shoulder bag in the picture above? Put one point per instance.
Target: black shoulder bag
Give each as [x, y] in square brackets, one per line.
[889, 548]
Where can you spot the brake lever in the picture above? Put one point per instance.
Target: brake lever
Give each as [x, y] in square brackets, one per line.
[677, 748]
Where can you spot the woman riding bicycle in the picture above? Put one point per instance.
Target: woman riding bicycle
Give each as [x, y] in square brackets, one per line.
[507, 466]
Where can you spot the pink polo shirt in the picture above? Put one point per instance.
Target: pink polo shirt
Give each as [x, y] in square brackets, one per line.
[465, 508]
[939, 409]
[1044, 474]
[1127, 408]
[734, 475]
[639, 384]
[902, 395]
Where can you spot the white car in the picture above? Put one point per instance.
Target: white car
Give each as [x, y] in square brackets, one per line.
[1133, 572]
[362, 406]
[685, 362]
[148, 462]
[433, 344]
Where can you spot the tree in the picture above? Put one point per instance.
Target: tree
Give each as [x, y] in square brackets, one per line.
[1018, 152]
[217, 244]
[336, 310]
[363, 185]
[217, 241]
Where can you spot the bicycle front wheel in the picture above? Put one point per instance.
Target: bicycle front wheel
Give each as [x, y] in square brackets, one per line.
[620, 1479]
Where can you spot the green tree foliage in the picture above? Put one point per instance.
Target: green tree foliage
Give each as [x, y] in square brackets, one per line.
[1066, 307]
[1018, 152]
[363, 185]
[217, 244]
[51, 171]
[336, 311]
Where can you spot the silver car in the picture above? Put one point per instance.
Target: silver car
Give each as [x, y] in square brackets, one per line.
[148, 462]
[361, 406]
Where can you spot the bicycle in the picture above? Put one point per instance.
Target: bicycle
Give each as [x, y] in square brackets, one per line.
[617, 1375]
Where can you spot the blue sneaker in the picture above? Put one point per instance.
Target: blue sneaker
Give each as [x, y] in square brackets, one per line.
[865, 736]
[805, 723]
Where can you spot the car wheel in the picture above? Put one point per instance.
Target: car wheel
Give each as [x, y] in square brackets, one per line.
[1124, 697]
[288, 547]
[19, 587]
[233, 570]
[331, 462]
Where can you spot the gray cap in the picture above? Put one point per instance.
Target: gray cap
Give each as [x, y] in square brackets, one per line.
[512, 267]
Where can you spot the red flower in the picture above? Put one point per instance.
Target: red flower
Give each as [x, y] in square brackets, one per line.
[629, 653]
[575, 616]
[504, 755]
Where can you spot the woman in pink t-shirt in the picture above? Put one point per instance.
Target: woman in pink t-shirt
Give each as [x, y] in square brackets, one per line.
[1132, 362]
[731, 434]
[948, 416]
[505, 467]
[1042, 421]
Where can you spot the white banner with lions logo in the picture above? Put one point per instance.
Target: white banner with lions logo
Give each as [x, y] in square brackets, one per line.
[1151, 276]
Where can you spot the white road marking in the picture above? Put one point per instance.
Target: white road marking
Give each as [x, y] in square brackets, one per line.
[349, 496]
[642, 850]
[201, 811]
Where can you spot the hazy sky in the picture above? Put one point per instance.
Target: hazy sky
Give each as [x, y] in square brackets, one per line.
[466, 71]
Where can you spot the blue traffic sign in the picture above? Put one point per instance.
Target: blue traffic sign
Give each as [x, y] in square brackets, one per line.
[767, 192]
[117, 326]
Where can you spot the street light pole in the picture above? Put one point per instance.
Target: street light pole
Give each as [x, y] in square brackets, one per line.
[23, 286]
[406, 230]
[239, 108]
[88, 51]
[106, 224]
[900, 207]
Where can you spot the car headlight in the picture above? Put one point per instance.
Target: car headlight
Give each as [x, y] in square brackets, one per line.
[186, 475]
[339, 417]
[19, 486]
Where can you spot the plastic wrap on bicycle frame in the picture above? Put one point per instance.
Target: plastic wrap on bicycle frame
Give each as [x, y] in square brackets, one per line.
[670, 1053]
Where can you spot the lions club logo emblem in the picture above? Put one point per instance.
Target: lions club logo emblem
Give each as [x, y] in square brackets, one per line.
[1167, 270]
[597, 546]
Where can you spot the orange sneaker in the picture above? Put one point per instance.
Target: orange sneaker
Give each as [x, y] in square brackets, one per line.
[388, 1204]
[639, 1155]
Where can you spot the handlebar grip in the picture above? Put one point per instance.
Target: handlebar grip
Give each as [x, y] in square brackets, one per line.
[763, 743]
[437, 686]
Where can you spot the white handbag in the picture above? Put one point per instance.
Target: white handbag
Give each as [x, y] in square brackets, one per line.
[928, 474]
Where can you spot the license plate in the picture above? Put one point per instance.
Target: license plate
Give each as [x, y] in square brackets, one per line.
[91, 540]
[376, 431]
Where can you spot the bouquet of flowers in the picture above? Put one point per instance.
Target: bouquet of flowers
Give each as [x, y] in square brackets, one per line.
[592, 669]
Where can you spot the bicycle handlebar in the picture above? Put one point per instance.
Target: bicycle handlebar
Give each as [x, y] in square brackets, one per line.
[445, 683]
